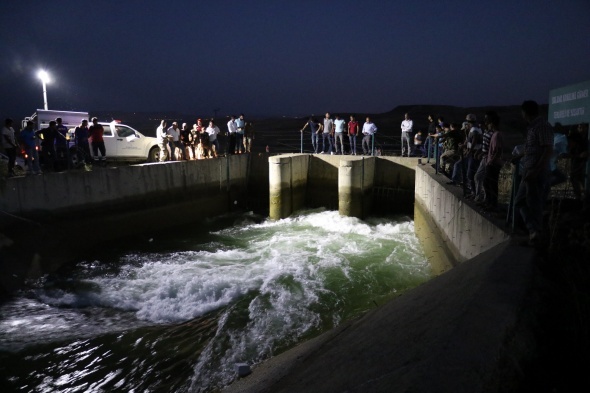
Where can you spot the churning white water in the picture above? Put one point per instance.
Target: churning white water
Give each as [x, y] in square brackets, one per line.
[188, 305]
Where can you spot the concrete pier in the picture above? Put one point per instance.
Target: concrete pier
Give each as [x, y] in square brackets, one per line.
[355, 186]
[344, 183]
[287, 184]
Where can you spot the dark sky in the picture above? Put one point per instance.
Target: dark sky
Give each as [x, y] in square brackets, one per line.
[288, 57]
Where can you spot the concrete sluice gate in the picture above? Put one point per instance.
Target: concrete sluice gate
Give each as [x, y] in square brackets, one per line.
[450, 230]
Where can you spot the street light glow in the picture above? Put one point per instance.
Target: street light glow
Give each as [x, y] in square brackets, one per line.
[44, 76]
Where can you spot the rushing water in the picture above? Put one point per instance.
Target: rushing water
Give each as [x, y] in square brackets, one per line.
[175, 312]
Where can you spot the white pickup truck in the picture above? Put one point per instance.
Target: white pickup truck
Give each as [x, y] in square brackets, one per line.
[122, 143]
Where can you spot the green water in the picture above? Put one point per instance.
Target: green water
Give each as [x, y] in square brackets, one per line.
[176, 312]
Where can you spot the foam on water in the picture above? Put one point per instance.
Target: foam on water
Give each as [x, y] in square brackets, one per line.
[275, 282]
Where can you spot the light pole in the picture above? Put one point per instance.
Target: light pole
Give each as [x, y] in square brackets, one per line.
[44, 76]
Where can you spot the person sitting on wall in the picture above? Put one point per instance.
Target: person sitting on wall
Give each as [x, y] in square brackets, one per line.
[418, 141]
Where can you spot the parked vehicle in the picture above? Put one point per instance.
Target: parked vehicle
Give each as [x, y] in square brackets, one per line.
[122, 142]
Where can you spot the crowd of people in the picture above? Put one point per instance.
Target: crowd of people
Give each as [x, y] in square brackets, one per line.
[201, 142]
[50, 145]
[332, 133]
[472, 154]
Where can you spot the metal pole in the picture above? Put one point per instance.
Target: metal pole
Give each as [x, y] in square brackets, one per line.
[372, 144]
[44, 94]
[301, 142]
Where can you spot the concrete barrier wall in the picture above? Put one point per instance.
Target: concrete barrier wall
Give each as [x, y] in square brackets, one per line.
[465, 231]
[147, 185]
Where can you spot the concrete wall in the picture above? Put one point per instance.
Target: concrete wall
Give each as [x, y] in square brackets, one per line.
[147, 185]
[465, 231]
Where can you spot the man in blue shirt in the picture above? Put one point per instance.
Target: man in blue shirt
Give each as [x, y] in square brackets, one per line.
[315, 133]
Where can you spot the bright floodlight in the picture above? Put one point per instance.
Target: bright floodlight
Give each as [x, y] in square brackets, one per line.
[44, 76]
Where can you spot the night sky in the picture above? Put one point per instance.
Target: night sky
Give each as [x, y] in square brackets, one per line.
[288, 58]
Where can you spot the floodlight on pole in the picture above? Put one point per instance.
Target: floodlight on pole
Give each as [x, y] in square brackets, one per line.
[44, 76]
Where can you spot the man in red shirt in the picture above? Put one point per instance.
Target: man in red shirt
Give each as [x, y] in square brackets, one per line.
[353, 130]
[96, 131]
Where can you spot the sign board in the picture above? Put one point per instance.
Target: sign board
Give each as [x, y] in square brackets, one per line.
[570, 105]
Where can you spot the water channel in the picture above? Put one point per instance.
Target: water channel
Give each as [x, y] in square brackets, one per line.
[174, 312]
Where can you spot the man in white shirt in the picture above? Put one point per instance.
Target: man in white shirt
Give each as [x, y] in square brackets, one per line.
[213, 131]
[162, 140]
[407, 126]
[175, 149]
[232, 128]
[339, 125]
[369, 130]
[240, 126]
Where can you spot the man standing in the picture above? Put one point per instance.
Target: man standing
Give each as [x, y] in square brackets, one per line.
[369, 130]
[8, 143]
[162, 140]
[338, 134]
[353, 130]
[315, 131]
[493, 161]
[232, 128]
[248, 136]
[96, 132]
[174, 141]
[240, 126]
[213, 131]
[48, 136]
[30, 143]
[327, 133]
[407, 126]
[535, 170]
[81, 140]
[428, 144]
[61, 144]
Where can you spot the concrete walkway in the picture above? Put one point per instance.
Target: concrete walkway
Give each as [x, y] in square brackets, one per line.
[467, 330]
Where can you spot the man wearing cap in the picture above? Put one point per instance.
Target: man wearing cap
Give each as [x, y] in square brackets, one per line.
[407, 126]
[535, 171]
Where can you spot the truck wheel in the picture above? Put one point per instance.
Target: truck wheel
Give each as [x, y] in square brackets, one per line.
[154, 155]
